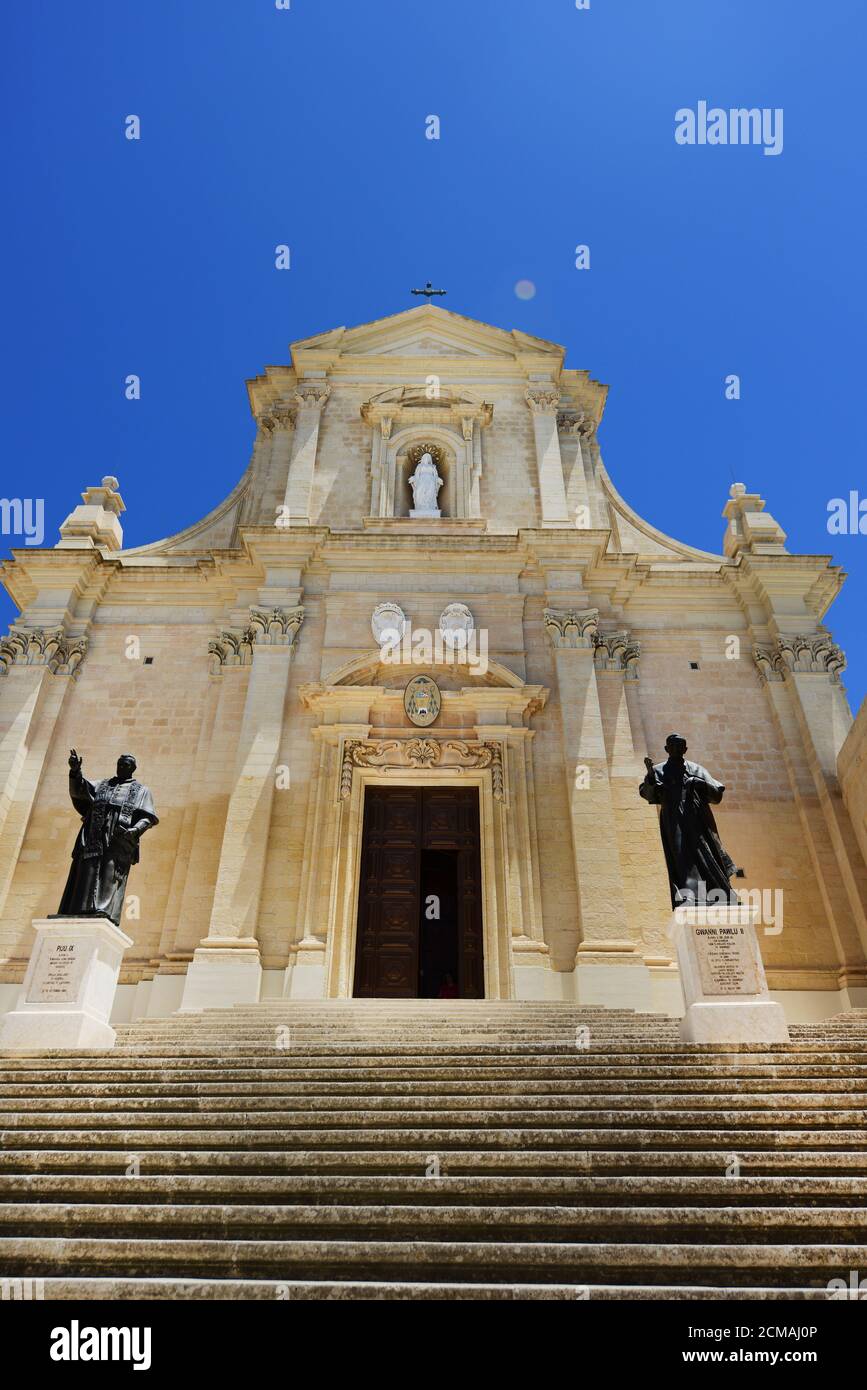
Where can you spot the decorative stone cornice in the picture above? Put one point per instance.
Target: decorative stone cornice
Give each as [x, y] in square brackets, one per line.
[814, 655]
[268, 627]
[38, 646]
[542, 400]
[393, 755]
[568, 628]
[615, 651]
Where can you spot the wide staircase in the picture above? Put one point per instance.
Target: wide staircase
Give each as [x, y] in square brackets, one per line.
[427, 1149]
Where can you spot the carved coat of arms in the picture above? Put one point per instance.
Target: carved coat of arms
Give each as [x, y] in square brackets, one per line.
[422, 701]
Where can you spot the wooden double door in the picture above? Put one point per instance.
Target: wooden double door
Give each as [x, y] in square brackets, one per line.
[420, 895]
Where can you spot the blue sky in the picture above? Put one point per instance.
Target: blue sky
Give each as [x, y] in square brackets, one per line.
[306, 126]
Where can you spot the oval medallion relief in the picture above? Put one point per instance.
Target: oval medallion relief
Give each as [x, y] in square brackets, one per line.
[456, 626]
[422, 701]
[388, 623]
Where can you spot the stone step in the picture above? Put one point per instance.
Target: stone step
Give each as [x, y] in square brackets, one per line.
[761, 1092]
[445, 1014]
[467, 1161]
[659, 1112]
[636, 1191]
[379, 1048]
[841, 1108]
[794, 1264]
[271, 1171]
[432, 1139]
[420, 1030]
[831, 1110]
[563, 1027]
[382, 1221]
[277, 1069]
[119, 1290]
[418, 1055]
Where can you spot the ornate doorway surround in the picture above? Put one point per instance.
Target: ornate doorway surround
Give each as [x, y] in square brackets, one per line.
[481, 739]
[418, 841]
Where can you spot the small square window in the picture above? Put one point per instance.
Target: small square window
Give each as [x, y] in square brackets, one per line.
[694, 666]
[148, 661]
[740, 873]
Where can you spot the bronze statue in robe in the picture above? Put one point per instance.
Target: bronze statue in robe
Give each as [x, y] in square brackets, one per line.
[115, 814]
[699, 868]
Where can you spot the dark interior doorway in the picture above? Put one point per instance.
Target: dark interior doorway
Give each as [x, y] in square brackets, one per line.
[438, 957]
[420, 901]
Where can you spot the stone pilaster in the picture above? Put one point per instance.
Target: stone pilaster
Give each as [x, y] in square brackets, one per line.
[36, 667]
[542, 403]
[311, 399]
[226, 966]
[514, 790]
[471, 430]
[594, 469]
[271, 456]
[598, 871]
[380, 436]
[801, 675]
[572, 424]
[644, 877]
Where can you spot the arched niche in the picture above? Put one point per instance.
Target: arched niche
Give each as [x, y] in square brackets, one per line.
[457, 452]
[405, 461]
[450, 454]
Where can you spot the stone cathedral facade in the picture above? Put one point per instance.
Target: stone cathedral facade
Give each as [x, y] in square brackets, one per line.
[326, 832]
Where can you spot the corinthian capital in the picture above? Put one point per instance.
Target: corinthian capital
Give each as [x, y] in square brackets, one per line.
[275, 627]
[543, 400]
[570, 421]
[39, 646]
[567, 628]
[278, 416]
[313, 395]
[616, 651]
[816, 655]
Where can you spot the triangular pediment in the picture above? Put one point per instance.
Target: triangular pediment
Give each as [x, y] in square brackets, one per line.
[425, 331]
[430, 346]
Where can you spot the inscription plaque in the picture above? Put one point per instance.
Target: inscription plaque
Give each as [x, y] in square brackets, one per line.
[58, 973]
[726, 960]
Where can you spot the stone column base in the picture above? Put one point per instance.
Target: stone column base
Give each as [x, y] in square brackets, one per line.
[723, 978]
[304, 977]
[220, 975]
[68, 992]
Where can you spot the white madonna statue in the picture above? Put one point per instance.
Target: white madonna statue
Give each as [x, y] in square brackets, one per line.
[425, 483]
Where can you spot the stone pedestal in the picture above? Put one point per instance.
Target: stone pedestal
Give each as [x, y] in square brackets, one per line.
[723, 979]
[68, 991]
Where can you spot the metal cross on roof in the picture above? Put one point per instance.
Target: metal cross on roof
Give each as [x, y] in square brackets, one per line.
[428, 290]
